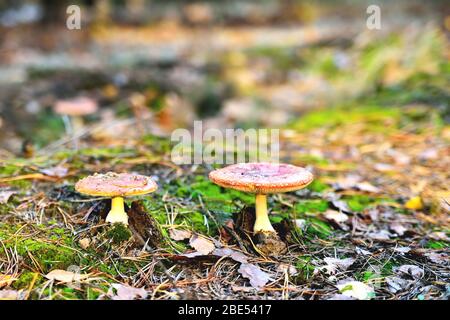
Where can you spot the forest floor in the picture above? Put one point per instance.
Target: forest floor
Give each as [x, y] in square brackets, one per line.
[373, 225]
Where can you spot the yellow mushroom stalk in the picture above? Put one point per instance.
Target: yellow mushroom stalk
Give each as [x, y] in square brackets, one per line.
[117, 212]
[262, 222]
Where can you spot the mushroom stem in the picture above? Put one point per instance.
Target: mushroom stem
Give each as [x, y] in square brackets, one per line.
[77, 124]
[262, 222]
[117, 213]
[77, 127]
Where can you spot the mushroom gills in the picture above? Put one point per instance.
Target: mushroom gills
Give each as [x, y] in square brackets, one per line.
[117, 213]
[262, 223]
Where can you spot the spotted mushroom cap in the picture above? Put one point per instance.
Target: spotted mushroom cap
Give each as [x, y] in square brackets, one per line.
[79, 106]
[262, 178]
[113, 184]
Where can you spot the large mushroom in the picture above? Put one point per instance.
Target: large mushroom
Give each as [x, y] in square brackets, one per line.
[262, 179]
[72, 112]
[117, 186]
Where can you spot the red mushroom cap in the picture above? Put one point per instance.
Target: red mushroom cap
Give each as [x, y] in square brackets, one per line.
[76, 107]
[116, 185]
[262, 178]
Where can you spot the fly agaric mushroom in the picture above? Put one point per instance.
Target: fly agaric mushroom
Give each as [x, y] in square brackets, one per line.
[72, 111]
[262, 179]
[117, 186]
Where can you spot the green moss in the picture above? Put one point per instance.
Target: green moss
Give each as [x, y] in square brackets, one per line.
[358, 203]
[374, 116]
[318, 227]
[157, 144]
[8, 170]
[25, 279]
[214, 198]
[51, 254]
[437, 245]
[311, 206]
[305, 267]
[107, 153]
[317, 186]
[118, 233]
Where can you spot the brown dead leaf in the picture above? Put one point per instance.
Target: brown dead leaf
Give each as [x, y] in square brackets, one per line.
[398, 228]
[84, 243]
[5, 195]
[58, 171]
[124, 292]
[356, 289]
[336, 216]
[354, 182]
[341, 205]
[397, 284]
[66, 276]
[257, 277]
[334, 264]
[179, 234]
[202, 245]
[10, 295]
[412, 270]
[233, 254]
[438, 258]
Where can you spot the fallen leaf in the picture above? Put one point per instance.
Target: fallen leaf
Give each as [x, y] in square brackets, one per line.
[287, 268]
[5, 195]
[429, 154]
[124, 292]
[438, 258]
[341, 205]
[383, 167]
[66, 276]
[84, 243]
[257, 277]
[10, 295]
[367, 187]
[441, 236]
[412, 270]
[402, 250]
[202, 245]
[356, 289]
[336, 216]
[380, 235]
[396, 284]
[192, 254]
[179, 234]
[58, 171]
[354, 182]
[300, 223]
[233, 254]
[398, 228]
[415, 203]
[333, 264]
[362, 251]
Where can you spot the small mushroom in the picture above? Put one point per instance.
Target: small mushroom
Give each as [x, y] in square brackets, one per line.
[117, 186]
[73, 110]
[262, 179]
